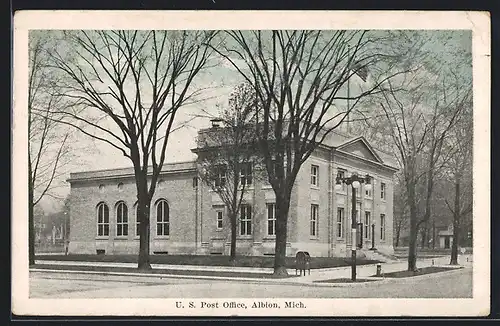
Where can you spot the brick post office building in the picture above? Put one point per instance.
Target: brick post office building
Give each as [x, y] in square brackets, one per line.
[187, 217]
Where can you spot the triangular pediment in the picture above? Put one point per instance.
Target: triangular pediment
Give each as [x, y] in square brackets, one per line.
[360, 147]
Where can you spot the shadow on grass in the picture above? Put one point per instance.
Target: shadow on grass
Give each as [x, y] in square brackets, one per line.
[206, 260]
[420, 271]
[346, 280]
[128, 270]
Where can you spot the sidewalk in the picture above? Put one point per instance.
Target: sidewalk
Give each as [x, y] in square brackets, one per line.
[366, 271]
[363, 271]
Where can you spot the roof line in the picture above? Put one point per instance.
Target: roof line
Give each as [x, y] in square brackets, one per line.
[370, 161]
[367, 144]
[126, 175]
[130, 167]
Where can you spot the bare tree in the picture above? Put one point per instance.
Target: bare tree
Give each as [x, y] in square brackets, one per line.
[228, 153]
[48, 145]
[420, 118]
[459, 171]
[400, 211]
[132, 85]
[299, 78]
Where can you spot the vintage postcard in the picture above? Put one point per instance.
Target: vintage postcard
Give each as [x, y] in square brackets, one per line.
[220, 163]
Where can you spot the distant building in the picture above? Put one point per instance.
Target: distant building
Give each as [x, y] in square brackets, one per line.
[187, 217]
[445, 238]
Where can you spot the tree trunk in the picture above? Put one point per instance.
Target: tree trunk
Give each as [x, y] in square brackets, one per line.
[398, 233]
[233, 220]
[143, 211]
[31, 219]
[433, 234]
[412, 245]
[423, 236]
[456, 225]
[282, 207]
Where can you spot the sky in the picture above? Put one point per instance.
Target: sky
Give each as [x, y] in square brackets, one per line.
[220, 79]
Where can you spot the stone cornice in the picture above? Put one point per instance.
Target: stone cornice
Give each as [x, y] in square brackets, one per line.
[123, 173]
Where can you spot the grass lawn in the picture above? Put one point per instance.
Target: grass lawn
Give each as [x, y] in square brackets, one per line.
[212, 260]
[345, 280]
[420, 271]
[161, 271]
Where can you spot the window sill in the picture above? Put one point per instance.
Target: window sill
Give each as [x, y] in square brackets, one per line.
[269, 237]
[342, 192]
[121, 237]
[102, 237]
[219, 230]
[244, 237]
[266, 187]
[161, 237]
[314, 187]
[211, 190]
[341, 239]
[313, 238]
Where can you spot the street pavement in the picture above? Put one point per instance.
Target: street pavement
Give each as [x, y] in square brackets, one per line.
[455, 284]
[451, 284]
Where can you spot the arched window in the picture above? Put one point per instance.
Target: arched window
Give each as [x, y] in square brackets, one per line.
[121, 219]
[102, 220]
[162, 218]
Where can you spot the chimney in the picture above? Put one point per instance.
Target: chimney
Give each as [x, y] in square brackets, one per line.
[216, 123]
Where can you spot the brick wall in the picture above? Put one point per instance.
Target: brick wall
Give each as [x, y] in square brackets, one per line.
[177, 190]
[193, 227]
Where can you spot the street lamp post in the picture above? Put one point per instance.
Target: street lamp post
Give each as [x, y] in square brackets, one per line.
[355, 181]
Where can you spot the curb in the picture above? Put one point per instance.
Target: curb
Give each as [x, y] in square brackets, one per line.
[452, 270]
[159, 266]
[201, 277]
[214, 278]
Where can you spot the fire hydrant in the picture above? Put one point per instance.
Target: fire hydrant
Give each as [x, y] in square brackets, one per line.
[379, 270]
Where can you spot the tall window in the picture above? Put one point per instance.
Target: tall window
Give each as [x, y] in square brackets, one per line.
[382, 226]
[341, 173]
[246, 174]
[368, 193]
[162, 218]
[313, 230]
[220, 216]
[121, 219]
[340, 222]
[382, 190]
[102, 220]
[137, 221]
[246, 220]
[367, 224]
[314, 175]
[271, 219]
[220, 176]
